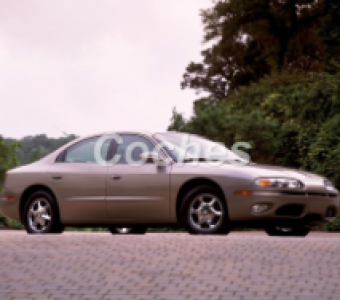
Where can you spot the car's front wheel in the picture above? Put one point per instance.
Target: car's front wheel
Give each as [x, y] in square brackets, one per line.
[40, 215]
[204, 211]
[287, 231]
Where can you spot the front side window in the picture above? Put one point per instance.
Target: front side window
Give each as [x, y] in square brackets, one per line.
[83, 152]
[131, 147]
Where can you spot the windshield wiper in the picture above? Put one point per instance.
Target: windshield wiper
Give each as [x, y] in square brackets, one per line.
[237, 161]
[200, 159]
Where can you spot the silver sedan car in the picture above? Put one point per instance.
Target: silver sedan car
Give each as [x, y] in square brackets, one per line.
[130, 181]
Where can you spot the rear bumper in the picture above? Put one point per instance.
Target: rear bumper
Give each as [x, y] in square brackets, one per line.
[304, 208]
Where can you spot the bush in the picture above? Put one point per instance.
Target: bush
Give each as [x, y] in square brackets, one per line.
[334, 226]
[289, 120]
[3, 221]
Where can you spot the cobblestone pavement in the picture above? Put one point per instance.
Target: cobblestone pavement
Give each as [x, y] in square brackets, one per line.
[241, 266]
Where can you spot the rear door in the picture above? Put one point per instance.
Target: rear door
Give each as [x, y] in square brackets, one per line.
[79, 181]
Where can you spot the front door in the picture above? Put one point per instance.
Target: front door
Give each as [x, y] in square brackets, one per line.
[137, 192]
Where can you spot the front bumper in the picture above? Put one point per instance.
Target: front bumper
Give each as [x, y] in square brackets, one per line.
[305, 207]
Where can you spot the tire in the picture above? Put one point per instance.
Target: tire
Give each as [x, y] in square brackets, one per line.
[41, 214]
[140, 229]
[289, 232]
[59, 229]
[204, 211]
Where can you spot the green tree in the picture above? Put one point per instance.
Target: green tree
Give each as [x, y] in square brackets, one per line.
[331, 35]
[37, 153]
[289, 120]
[324, 153]
[252, 38]
[33, 148]
[8, 160]
[177, 121]
[8, 157]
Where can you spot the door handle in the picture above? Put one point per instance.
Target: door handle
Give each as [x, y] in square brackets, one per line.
[57, 177]
[116, 177]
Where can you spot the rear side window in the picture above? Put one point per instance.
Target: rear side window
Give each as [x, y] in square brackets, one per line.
[83, 152]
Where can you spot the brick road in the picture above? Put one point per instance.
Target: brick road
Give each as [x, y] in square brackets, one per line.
[241, 266]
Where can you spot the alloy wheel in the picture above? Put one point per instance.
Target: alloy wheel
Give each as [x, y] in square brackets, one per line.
[206, 212]
[123, 230]
[39, 215]
[284, 229]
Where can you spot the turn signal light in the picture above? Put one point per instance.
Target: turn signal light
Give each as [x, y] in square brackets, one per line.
[264, 182]
[243, 193]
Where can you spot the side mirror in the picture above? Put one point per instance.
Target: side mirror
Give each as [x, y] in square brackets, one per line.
[153, 157]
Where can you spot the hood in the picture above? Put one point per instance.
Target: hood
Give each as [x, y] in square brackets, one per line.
[253, 171]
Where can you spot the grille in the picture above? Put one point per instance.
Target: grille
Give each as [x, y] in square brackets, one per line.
[317, 194]
[293, 193]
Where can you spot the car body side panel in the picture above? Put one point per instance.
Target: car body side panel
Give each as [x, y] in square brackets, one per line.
[139, 192]
[17, 181]
[228, 178]
[80, 190]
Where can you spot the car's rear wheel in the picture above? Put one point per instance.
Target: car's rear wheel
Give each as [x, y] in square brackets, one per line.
[40, 214]
[140, 229]
[204, 211]
[287, 231]
[59, 229]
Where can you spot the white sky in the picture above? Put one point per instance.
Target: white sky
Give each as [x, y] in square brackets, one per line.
[87, 66]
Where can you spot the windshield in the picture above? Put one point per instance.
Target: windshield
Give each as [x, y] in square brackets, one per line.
[185, 147]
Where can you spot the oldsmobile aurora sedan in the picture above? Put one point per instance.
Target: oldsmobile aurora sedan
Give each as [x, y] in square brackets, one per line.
[140, 180]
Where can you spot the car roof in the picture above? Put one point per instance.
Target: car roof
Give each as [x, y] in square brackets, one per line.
[147, 133]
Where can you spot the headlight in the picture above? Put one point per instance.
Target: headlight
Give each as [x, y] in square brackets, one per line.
[329, 185]
[279, 183]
